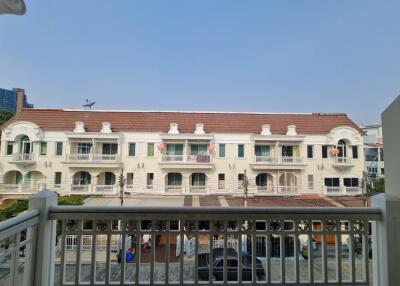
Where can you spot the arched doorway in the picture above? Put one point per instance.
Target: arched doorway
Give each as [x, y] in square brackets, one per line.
[288, 183]
[81, 181]
[106, 182]
[35, 180]
[264, 182]
[25, 145]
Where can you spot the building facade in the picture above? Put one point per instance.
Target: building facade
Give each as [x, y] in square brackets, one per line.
[84, 152]
[13, 100]
[373, 149]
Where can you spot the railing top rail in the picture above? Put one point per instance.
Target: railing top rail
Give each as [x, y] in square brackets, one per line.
[16, 224]
[18, 219]
[80, 212]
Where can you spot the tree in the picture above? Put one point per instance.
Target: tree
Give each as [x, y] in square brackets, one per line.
[5, 115]
[377, 185]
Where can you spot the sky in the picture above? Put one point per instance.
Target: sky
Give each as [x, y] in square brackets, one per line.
[267, 56]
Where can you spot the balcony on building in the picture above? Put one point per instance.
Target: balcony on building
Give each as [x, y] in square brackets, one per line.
[25, 151]
[93, 153]
[342, 158]
[190, 154]
[14, 182]
[85, 183]
[169, 246]
[277, 156]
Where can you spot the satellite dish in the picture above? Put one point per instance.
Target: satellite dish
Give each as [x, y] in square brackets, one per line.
[89, 104]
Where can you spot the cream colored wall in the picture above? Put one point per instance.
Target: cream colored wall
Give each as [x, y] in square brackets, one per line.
[231, 165]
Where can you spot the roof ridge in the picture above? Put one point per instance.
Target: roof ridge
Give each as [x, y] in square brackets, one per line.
[186, 111]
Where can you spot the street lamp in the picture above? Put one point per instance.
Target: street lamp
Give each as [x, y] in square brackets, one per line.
[121, 187]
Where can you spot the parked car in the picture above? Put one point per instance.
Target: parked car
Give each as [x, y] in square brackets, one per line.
[232, 266]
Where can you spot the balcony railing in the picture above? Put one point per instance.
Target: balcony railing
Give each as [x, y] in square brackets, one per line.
[198, 188]
[343, 160]
[173, 158]
[287, 190]
[104, 189]
[284, 160]
[92, 158]
[266, 160]
[186, 158]
[22, 157]
[353, 189]
[174, 245]
[333, 190]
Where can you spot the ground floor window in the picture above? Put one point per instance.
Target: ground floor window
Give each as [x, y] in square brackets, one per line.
[332, 182]
[350, 182]
[57, 178]
[221, 181]
[198, 180]
[150, 179]
[174, 179]
[109, 178]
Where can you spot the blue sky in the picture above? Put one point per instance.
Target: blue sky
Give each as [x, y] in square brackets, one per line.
[270, 56]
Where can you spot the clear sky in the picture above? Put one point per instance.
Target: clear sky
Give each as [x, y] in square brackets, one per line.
[270, 56]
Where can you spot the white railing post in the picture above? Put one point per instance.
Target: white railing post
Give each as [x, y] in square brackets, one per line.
[386, 232]
[46, 238]
[385, 237]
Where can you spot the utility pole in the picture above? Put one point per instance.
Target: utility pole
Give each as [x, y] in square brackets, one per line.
[245, 187]
[121, 187]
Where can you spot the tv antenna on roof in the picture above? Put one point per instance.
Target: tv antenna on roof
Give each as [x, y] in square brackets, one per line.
[89, 104]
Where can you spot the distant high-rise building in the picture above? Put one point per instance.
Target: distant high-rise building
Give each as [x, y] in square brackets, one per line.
[13, 100]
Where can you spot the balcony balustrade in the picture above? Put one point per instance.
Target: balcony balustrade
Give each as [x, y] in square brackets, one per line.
[187, 158]
[174, 245]
[22, 157]
[95, 158]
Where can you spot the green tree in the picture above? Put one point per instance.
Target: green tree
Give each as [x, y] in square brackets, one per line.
[377, 185]
[5, 115]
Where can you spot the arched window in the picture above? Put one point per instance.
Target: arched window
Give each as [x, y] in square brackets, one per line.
[82, 178]
[198, 180]
[174, 179]
[25, 146]
[342, 147]
[261, 180]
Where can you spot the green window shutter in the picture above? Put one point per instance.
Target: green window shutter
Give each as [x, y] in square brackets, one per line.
[150, 149]
[132, 149]
[240, 150]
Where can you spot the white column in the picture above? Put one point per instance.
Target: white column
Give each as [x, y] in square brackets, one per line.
[46, 238]
[386, 232]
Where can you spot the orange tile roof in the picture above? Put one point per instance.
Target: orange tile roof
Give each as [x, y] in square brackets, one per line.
[158, 121]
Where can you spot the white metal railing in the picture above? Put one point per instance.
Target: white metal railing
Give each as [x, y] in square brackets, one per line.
[172, 158]
[80, 188]
[92, 157]
[269, 189]
[105, 188]
[170, 246]
[173, 187]
[353, 189]
[17, 248]
[287, 190]
[343, 160]
[290, 160]
[199, 158]
[26, 188]
[317, 246]
[266, 159]
[198, 188]
[333, 190]
[17, 157]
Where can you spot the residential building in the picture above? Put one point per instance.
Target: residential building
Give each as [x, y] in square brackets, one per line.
[373, 149]
[13, 100]
[161, 152]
